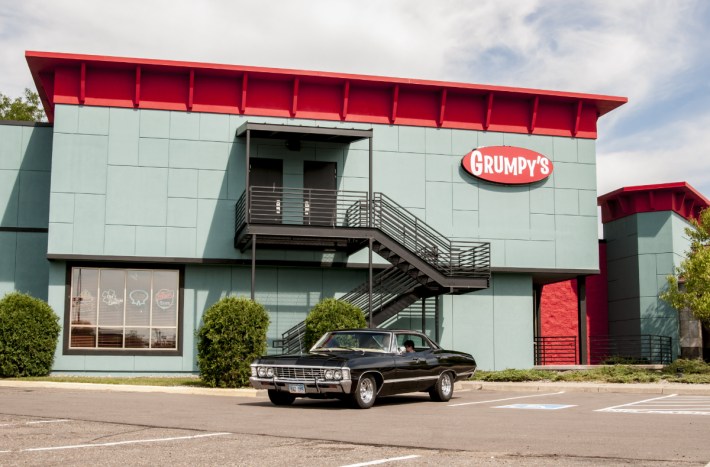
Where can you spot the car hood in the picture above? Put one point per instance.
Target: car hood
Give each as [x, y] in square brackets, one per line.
[311, 359]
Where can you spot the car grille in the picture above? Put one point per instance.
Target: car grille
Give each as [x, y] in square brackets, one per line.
[299, 373]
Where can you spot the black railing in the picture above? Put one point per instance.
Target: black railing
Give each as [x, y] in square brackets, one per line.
[641, 349]
[327, 208]
[387, 286]
[556, 350]
[451, 258]
[301, 206]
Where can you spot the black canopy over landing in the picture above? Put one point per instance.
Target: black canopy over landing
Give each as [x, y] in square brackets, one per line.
[302, 133]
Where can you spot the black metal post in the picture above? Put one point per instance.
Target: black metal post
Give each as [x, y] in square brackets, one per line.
[369, 282]
[423, 315]
[248, 169]
[369, 177]
[582, 318]
[437, 312]
[253, 264]
[371, 220]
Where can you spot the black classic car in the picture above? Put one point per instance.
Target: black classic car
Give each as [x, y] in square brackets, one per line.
[359, 365]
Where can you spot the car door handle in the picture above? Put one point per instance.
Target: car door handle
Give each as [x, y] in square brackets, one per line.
[420, 360]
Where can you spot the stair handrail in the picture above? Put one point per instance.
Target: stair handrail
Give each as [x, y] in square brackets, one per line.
[426, 242]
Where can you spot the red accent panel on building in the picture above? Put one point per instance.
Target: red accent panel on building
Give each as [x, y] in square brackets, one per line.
[679, 197]
[168, 85]
[558, 307]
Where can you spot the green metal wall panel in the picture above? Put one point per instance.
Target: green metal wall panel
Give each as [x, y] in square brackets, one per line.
[25, 159]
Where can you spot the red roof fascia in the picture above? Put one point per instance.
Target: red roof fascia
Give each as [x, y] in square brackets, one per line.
[679, 197]
[96, 80]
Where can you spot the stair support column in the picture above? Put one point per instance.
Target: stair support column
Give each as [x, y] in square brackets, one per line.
[369, 282]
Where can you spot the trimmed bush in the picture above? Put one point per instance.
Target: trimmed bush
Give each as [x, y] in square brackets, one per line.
[29, 329]
[329, 315]
[232, 335]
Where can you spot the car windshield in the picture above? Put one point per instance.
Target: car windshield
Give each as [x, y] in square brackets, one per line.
[354, 340]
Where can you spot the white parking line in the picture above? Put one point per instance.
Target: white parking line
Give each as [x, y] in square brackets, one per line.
[118, 443]
[507, 399]
[382, 461]
[611, 409]
[34, 423]
[671, 404]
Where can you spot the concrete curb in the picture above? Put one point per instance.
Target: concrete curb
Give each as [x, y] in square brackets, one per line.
[241, 392]
[654, 388]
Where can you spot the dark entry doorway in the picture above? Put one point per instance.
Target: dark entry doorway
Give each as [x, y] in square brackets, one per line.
[266, 184]
[319, 197]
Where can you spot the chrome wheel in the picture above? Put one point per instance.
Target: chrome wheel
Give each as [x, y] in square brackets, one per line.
[446, 386]
[443, 389]
[365, 392]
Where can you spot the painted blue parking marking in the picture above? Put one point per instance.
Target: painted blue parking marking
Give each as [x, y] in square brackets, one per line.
[535, 406]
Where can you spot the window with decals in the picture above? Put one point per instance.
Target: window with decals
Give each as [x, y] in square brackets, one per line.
[124, 309]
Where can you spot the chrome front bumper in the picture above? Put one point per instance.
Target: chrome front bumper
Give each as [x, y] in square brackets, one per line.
[311, 387]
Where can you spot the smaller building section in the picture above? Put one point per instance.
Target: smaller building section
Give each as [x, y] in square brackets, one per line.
[644, 241]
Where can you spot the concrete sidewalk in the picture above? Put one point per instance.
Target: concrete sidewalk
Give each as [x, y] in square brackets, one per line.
[651, 388]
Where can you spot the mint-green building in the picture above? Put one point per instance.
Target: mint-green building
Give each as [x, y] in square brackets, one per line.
[129, 212]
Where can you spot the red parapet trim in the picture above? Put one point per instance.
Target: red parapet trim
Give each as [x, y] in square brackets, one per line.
[167, 85]
[191, 92]
[346, 94]
[243, 102]
[137, 96]
[294, 102]
[395, 99]
[82, 85]
[577, 118]
[489, 111]
[442, 109]
[533, 114]
[678, 197]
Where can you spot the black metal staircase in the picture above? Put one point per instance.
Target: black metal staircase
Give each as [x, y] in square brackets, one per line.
[425, 262]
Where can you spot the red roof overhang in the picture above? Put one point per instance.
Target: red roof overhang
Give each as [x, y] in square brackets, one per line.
[679, 197]
[96, 80]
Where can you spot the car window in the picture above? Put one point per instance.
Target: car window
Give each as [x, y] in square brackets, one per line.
[420, 344]
[354, 340]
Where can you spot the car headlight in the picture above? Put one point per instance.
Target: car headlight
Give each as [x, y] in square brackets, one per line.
[328, 374]
[269, 372]
[338, 374]
[261, 372]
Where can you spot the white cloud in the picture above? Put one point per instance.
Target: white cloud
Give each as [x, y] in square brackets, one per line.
[676, 153]
[649, 50]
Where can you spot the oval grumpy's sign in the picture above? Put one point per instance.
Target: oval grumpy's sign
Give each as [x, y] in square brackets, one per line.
[508, 165]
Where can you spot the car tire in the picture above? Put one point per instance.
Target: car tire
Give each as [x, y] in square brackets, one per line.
[443, 389]
[280, 397]
[365, 392]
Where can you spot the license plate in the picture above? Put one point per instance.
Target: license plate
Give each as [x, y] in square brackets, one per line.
[296, 389]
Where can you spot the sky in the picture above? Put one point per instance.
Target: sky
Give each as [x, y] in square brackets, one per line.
[655, 53]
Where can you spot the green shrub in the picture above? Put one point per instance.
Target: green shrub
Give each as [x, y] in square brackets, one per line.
[232, 335]
[29, 330]
[329, 315]
[687, 367]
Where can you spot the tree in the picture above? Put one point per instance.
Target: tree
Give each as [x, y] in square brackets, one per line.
[29, 330]
[330, 315]
[690, 286]
[232, 335]
[27, 109]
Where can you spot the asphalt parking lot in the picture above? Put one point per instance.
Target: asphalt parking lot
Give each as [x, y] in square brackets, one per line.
[50, 426]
